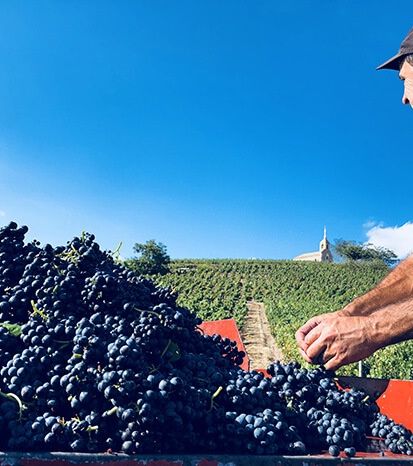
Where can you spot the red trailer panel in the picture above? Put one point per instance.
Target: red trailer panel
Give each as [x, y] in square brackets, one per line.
[227, 328]
[71, 459]
[397, 402]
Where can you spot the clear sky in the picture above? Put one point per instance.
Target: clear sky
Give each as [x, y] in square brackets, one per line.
[220, 128]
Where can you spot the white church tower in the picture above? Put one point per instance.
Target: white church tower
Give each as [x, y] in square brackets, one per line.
[323, 255]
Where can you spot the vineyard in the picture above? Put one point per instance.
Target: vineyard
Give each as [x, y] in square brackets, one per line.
[292, 293]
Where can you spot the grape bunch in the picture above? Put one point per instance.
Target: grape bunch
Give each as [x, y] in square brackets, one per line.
[94, 358]
[396, 437]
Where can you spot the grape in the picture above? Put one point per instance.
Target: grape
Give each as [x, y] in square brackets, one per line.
[350, 451]
[334, 450]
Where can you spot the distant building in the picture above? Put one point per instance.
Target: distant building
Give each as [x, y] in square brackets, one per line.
[323, 255]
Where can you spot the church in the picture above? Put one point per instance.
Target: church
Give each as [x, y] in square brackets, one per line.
[323, 255]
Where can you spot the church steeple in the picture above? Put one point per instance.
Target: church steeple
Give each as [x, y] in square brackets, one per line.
[324, 244]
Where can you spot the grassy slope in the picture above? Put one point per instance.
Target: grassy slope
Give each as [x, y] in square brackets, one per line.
[292, 292]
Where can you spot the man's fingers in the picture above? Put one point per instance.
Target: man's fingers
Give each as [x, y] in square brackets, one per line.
[299, 335]
[300, 338]
[303, 331]
[333, 363]
[309, 325]
[315, 349]
[304, 355]
[312, 335]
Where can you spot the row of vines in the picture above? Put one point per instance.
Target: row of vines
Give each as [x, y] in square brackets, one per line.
[292, 293]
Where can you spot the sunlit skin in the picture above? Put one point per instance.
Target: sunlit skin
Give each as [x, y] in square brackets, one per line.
[406, 75]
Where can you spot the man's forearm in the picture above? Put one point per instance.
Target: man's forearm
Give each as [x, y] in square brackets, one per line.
[392, 323]
[395, 287]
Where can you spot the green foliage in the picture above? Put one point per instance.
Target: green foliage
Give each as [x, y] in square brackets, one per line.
[395, 361]
[292, 292]
[358, 252]
[152, 258]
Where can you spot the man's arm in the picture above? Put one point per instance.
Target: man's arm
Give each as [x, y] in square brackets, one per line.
[341, 340]
[396, 286]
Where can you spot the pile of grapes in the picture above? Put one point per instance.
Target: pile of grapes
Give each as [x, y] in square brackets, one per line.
[96, 359]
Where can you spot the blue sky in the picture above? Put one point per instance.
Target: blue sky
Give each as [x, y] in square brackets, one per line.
[221, 128]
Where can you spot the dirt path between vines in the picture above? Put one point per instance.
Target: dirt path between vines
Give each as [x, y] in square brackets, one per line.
[257, 338]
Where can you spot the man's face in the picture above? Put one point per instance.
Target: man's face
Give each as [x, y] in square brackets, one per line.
[406, 75]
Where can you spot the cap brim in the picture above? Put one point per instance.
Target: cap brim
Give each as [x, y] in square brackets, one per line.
[393, 63]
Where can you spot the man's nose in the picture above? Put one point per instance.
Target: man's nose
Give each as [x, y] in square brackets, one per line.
[405, 99]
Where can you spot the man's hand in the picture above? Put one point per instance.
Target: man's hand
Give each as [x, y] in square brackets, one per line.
[302, 332]
[335, 340]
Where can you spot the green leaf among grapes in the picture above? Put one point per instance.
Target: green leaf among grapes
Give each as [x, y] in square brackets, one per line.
[173, 352]
[13, 329]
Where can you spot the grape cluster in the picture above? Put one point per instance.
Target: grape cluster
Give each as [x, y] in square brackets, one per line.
[94, 358]
[329, 418]
[396, 437]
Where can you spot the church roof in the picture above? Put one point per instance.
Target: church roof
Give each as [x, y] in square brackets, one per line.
[308, 254]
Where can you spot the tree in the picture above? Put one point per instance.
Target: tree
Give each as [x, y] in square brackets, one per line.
[152, 258]
[351, 251]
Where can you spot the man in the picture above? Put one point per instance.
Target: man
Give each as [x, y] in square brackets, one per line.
[384, 315]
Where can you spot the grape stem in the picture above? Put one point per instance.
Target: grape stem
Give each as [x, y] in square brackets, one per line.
[217, 392]
[111, 411]
[166, 348]
[12, 396]
[38, 311]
